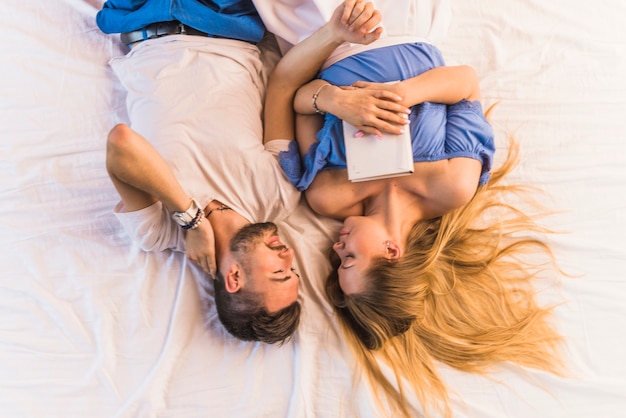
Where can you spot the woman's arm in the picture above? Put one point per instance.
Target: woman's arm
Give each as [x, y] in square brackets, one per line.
[447, 85]
[376, 107]
[304, 60]
[370, 110]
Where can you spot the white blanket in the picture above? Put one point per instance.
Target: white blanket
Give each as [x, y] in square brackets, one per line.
[92, 326]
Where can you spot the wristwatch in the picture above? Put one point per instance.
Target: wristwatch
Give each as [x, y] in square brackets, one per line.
[189, 217]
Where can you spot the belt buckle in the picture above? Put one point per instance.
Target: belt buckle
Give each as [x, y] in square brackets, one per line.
[181, 29]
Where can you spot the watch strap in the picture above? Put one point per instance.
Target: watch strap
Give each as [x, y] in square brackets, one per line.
[190, 218]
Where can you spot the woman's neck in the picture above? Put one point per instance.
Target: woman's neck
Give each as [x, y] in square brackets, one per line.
[397, 209]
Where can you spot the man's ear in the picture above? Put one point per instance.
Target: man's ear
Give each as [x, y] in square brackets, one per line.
[233, 281]
[392, 250]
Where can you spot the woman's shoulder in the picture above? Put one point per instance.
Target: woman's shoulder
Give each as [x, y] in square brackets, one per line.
[443, 185]
[332, 194]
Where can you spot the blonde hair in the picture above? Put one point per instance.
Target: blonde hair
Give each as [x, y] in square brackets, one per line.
[462, 295]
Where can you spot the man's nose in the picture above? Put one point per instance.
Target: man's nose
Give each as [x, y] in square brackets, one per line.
[286, 252]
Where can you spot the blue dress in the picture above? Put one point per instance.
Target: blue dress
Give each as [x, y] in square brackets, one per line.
[438, 131]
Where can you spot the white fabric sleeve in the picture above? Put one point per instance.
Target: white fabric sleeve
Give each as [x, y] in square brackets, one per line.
[277, 145]
[151, 228]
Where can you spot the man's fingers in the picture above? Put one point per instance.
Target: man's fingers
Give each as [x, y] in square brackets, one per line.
[204, 262]
[364, 17]
[199, 261]
[347, 11]
[370, 36]
[353, 9]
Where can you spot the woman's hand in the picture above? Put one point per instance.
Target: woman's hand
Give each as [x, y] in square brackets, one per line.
[200, 244]
[397, 89]
[371, 110]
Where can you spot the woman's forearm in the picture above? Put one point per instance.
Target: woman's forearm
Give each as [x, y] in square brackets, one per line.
[303, 102]
[447, 85]
[376, 107]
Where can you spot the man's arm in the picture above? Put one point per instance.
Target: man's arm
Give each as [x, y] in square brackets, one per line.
[304, 60]
[142, 177]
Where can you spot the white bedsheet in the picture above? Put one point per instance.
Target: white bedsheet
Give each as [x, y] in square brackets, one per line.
[91, 326]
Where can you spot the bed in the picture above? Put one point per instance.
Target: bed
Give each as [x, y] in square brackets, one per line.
[92, 326]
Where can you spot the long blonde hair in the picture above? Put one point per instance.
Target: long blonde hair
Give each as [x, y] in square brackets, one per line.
[462, 294]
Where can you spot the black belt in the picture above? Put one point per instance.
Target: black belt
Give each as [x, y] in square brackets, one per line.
[159, 29]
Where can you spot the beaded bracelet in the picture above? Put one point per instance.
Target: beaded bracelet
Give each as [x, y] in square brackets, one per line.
[196, 221]
[315, 95]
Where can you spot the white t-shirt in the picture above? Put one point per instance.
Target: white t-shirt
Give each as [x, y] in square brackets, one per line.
[199, 101]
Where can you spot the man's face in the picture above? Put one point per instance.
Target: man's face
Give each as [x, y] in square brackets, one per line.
[269, 266]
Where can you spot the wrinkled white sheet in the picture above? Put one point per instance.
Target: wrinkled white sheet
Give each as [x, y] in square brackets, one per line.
[91, 326]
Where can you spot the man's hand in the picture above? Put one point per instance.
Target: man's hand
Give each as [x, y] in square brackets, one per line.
[200, 244]
[355, 21]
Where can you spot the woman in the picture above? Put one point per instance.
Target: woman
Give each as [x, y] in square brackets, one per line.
[422, 276]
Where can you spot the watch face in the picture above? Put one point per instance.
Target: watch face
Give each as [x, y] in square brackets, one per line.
[179, 218]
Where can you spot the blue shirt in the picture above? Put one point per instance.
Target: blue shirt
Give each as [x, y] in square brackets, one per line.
[236, 19]
[438, 131]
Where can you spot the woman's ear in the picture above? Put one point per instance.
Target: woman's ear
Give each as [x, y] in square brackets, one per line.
[392, 250]
[232, 280]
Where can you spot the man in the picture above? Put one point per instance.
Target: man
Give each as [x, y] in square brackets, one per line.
[204, 177]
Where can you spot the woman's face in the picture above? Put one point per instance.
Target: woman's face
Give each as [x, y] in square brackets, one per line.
[361, 240]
